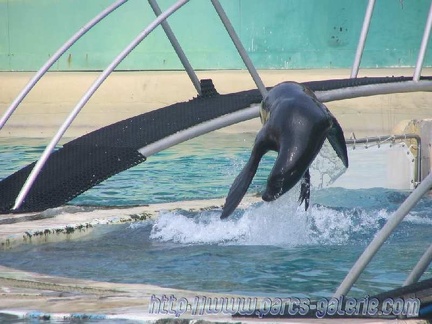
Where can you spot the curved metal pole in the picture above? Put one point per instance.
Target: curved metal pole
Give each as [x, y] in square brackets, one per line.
[374, 89]
[253, 112]
[239, 46]
[175, 44]
[55, 57]
[200, 129]
[423, 46]
[382, 235]
[420, 267]
[362, 40]
[44, 157]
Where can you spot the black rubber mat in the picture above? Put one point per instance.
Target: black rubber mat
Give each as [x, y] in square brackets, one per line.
[139, 131]
[67, 173]
[93, 158]
[356, 82]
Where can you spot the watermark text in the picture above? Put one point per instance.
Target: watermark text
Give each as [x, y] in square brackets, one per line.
[291, 306]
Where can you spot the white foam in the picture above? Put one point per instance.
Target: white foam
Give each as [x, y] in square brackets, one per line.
[418, 220]
[280, 223]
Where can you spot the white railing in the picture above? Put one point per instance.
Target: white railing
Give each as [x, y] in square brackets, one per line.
[378, 140]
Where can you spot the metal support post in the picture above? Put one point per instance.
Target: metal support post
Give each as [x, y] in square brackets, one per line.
[238, 44]
[382, 235]
[420, 267]
[362, 40]
[423, 46]
[174, 42]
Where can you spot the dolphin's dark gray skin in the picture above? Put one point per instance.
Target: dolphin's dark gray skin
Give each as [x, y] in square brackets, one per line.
[295, 124]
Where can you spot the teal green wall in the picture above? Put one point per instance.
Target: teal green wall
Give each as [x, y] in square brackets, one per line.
[278, 34]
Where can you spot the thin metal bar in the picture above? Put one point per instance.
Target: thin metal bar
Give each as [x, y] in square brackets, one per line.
[423, 46]
[420, 267]
[238, 44]
[174, 42]
[55, 57]
[382, 235]
[373, 89]
[253, 112]
[48, 150]
[384, 138]
[200, 129]
[362, 40]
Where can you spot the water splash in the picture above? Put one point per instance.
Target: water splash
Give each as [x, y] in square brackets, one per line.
[326, 168]
[279, 223]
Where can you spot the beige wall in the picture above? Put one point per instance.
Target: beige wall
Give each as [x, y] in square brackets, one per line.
[126, 94]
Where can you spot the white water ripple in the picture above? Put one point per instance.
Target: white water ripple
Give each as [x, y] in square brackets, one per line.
[279, 223]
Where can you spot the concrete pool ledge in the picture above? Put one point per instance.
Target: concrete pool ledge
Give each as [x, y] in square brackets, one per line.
[33, 296]
[72, 222]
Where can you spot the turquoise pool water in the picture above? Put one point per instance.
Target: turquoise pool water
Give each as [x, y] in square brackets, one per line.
[274, 249]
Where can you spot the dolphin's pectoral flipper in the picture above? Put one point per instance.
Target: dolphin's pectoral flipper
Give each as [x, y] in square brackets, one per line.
[305, 189]
[241, 183]
[337, 141]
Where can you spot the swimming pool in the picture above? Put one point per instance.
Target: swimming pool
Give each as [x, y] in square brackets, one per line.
[266, 249]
